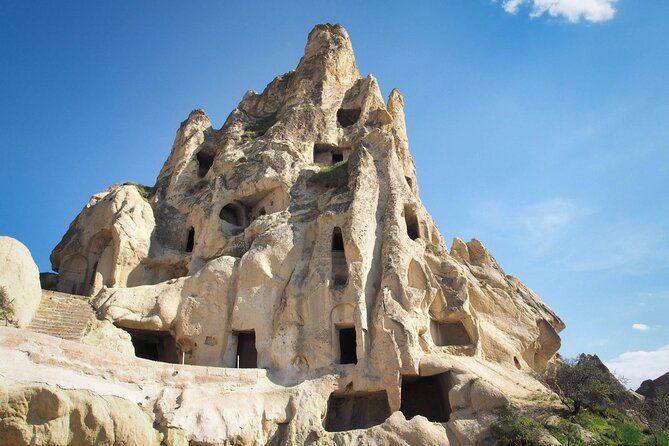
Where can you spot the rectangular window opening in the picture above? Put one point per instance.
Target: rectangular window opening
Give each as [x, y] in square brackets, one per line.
[449, 333]
[413, 228]
[426, 396]
[347, 346]
[247, 355]
[154, 345]
[357, 410]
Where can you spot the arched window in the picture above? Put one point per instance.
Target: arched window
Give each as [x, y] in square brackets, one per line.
[231, 214]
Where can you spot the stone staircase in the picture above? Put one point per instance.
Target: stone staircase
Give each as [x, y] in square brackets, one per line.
[62, 315]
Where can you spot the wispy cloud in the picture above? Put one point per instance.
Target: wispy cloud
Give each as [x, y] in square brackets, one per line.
[640, 327]
[545, 222]
[626, 246]
[573, 237]
[539, 226]
[571, 10]
[640, 365]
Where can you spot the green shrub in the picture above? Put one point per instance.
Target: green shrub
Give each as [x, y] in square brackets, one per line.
[612, 430]
[656, 411]
[433, 248]
[567, 433]
[514, 428]
[586, 383]
[335, 176]
[6, 311]
[145, 191]
[258, 128]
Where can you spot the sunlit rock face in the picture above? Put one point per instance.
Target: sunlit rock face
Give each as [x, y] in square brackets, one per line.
[294, 240]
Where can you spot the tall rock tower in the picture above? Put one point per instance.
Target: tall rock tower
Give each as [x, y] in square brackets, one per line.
[294, 240]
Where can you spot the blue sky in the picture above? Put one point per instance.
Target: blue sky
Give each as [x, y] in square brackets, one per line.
[540, 127]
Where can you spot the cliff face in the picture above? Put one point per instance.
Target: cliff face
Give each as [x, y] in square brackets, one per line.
[294, 240]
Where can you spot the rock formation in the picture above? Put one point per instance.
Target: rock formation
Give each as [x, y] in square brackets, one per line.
[652, 387]
[20, 291]
[292, 241]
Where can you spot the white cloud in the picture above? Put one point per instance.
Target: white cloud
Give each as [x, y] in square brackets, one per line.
[572, 10]
[539, 226]
[573, 237]
[625, 246]
[641, 365]
[544, 221]
[640, 327]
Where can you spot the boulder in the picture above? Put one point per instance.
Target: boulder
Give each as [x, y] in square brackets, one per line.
[20, 290]
[34, 414]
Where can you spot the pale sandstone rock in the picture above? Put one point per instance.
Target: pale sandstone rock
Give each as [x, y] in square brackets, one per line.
[485, 396]
[38, 414]
[244, 233]
[103, 333]
[20, 287]
[106, 243]
[208, 405]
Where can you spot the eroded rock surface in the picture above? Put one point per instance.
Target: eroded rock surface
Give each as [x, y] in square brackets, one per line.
[293, 241]
[20, 290]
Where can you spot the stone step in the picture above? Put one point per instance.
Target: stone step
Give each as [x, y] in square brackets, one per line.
[62, 315]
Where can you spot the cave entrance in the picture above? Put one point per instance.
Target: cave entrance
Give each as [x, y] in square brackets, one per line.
[426, 396]
[346, 117]
[232, 214]
[330, 154]
[413, 229]
[357, 410]
[339, 265]
[190, 240]
[449, 333]
[154, 345]
[347, 345]
[204, 162]
[247, 355]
